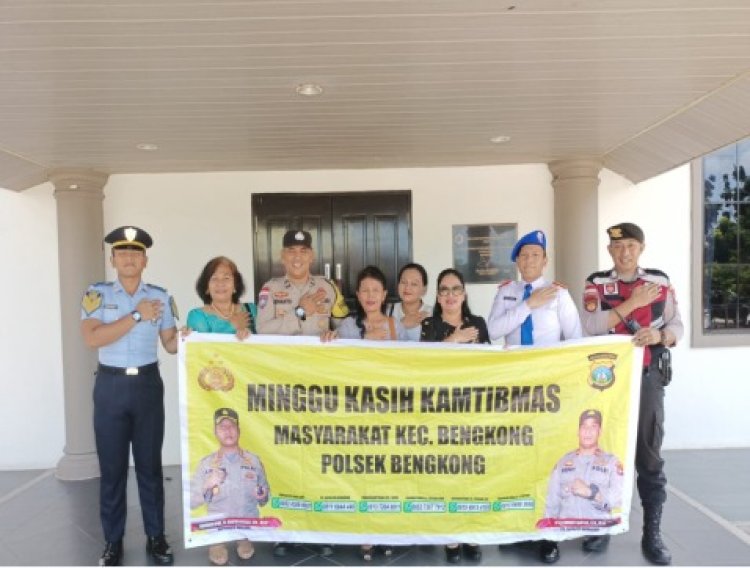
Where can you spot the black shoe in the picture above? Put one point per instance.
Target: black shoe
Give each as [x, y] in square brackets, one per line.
[325, 550]
[595, 543]
[280, 549]
[387, 550]
[159, 549]
[112, 554]
[365, 552]
[453, 555]
[549, 552]
[472, 552]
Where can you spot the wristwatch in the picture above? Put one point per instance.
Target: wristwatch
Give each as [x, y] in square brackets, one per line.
[594, 491]
[300, 312]
[136, 315]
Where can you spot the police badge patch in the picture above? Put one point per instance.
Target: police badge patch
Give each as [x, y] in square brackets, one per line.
[214, 377]
[91, 301]
[602, 375]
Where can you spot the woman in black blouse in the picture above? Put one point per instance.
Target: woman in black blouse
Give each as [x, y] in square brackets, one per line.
[452, 319]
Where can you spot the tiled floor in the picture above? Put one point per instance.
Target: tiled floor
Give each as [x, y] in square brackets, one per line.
[44, 521]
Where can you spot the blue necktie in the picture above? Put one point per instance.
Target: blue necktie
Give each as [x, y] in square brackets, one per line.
[527, 327]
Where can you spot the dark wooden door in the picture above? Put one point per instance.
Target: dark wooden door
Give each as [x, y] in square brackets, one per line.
[371, 228]
[273, 215]
[349, 230]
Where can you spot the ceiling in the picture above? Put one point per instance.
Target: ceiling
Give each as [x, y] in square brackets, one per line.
[643, 85]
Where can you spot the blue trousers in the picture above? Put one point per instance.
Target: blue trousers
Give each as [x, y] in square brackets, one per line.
[129, 412]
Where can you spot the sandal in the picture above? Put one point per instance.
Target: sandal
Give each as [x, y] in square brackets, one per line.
[218, 554]
[245, 549]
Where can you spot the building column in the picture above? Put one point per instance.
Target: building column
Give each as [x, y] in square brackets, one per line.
[80, 229]
[576, 184]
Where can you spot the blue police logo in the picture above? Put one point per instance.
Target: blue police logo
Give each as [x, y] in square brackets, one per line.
[602, 370]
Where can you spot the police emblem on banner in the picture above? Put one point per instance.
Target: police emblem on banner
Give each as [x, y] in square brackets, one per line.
[216, 378]
[602, 375]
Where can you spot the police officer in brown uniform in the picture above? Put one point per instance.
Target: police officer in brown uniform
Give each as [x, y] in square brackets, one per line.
[640, 302]
[298, 303]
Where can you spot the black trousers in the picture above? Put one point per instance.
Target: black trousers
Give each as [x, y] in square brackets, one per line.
[129, 411]
[649, 464]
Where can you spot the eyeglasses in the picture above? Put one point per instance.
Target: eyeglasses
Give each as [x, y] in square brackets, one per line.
[455, 290]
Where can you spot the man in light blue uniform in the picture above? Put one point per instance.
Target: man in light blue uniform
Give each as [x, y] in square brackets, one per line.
[124, 320]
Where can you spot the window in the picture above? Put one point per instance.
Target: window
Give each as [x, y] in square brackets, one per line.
[723, 203]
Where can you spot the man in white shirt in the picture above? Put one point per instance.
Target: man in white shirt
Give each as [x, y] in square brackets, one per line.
[533, 311]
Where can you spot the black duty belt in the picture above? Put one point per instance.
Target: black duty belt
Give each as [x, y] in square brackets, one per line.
[131, 371]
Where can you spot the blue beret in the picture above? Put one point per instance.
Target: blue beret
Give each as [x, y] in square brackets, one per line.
[532, 238]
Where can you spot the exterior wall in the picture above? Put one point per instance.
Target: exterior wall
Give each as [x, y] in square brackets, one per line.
[31, 406]
[706, 402]
[193, 217]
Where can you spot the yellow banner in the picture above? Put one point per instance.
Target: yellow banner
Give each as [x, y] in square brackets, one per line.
[404, 443]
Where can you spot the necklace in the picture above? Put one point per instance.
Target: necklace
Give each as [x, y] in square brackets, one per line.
[220, 313]
[410, 312]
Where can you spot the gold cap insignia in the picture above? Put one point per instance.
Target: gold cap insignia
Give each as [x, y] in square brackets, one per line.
[130, 233]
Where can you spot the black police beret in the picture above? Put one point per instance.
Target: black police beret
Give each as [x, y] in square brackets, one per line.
[129, 237]
[222, 413]
[296, 237]
[590, 413]
[626, 231]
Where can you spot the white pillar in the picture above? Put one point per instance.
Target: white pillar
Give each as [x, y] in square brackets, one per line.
[576, 184]
[80, 229]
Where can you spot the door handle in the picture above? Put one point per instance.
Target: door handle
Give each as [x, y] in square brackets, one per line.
[338, 271]
[327, 270]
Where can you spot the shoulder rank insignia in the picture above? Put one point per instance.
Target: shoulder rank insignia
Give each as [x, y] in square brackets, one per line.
[92, 301]
[173, 307]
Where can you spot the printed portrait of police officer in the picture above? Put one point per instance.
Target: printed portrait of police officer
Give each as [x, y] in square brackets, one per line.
[587, 482]
[231, 482]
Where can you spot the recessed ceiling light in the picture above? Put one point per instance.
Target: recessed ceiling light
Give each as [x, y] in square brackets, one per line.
[309, 89]
[499, 139]
[73, 186]
[147, 147]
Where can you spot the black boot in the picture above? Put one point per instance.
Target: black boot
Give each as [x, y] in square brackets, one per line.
[652, 545]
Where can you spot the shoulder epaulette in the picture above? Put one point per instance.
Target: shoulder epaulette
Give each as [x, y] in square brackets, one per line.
[104, 283]
[656, 272]
[155, 287]
[600, 274]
